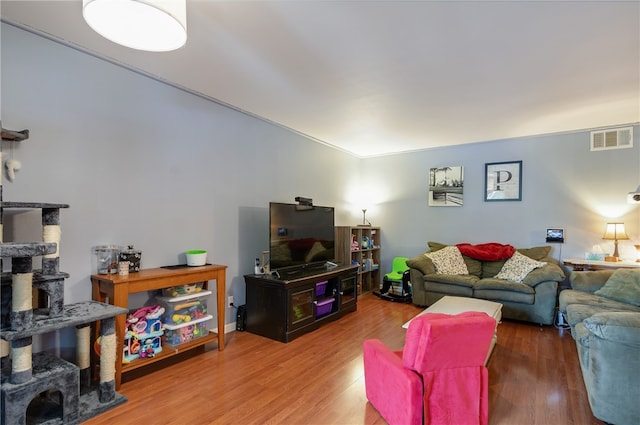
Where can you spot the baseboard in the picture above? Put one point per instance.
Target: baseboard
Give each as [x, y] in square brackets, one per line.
[228, 327]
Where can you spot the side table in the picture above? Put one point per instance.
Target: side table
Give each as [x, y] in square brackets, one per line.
[579, 264]
[115, 289]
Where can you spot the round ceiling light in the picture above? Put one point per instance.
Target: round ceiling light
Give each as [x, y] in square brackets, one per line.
[152, 25]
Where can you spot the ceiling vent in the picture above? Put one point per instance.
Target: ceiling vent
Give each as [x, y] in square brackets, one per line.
[613, 138]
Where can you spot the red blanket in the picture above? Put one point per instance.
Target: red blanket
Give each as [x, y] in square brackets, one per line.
[491, 251]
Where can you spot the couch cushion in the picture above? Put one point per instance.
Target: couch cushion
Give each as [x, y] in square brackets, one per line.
[623, 285]
[535, 253]
[620, 327]
[491, 268]
[466, 280]
[576, 313]
[518, 267]
[504, 285]
[589, 281]
[435, 246]
[448, 289]
[423, 263]
[473, 266]
[504, 290]
[549, 272]
[594, 302]
[581, 335]
[448, 261]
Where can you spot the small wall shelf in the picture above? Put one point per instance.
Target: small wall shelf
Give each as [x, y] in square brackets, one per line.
[14, 136]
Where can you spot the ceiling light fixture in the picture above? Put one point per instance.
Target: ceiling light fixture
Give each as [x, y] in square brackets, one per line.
[152, 25]
[634, 197]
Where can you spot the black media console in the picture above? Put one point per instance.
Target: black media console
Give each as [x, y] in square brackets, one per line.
[299, 300]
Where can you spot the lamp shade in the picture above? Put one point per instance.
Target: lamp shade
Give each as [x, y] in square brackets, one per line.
[152, 25]
[615, 231]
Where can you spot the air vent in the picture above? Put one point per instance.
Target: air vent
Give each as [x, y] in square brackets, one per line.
[613, 138]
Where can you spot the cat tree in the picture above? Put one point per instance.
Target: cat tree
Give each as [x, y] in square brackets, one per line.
[41, 387]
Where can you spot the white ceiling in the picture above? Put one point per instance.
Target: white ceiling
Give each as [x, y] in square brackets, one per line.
[377, 77]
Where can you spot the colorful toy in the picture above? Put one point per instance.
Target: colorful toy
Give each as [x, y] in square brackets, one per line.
[179, 318]
[355, 246]
[184, 309]
[179, 334]
[143, 333]
[176, 291]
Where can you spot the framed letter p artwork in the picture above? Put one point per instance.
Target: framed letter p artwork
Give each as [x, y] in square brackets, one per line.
[503, 181]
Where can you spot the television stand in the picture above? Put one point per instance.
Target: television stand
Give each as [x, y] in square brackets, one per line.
[299, 300]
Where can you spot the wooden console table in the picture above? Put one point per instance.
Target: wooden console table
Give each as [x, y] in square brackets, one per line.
[579, 264]
[115, 289]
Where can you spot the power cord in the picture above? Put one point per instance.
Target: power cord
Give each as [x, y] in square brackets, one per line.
[560, 254]
[560, 321]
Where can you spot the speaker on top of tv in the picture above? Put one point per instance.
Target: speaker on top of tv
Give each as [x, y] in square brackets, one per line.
[555, 235]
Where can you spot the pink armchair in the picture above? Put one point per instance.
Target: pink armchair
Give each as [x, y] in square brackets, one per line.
[439, 377]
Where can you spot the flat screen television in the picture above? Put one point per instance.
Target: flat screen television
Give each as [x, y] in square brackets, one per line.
[300, 235]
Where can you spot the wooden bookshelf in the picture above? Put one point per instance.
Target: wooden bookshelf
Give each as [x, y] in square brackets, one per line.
[367, 255]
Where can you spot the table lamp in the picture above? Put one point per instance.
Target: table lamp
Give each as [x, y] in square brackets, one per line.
[615, 232]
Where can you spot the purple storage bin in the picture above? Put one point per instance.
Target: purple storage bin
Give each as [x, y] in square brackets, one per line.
[323, 307]
[321, 287]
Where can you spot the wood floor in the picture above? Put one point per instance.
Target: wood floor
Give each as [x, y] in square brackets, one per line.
[318, 379]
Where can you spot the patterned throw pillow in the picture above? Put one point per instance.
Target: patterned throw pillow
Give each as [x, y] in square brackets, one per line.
[448, 261]
[518, 267]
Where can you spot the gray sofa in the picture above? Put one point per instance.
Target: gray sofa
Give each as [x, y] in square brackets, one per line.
[604, 314]
[533, 300]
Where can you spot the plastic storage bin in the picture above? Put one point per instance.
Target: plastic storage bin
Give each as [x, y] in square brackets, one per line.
[180, 290]
[321, 288]
[184, 309]
[323, 307]
[179, 334]
[107, 258]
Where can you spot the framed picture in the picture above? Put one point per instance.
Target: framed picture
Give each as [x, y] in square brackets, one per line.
[503, 181]
[446, 186]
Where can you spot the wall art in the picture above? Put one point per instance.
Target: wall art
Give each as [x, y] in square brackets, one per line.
[503, 181]
[446, 186]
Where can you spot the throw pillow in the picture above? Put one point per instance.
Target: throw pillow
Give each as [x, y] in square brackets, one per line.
[448, 260]
[518, 267]
[623, 285]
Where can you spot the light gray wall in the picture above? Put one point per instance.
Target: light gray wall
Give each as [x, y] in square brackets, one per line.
[144, 163]
[564, 185]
